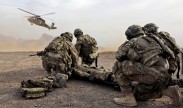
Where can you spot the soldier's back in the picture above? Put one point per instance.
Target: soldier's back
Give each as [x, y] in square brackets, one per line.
[169, 41]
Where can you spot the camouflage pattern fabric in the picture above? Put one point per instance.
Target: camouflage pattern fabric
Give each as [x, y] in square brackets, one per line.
[171, 43]
[40, 82]
[150, 80]
[140, 60]
[46, 82]
[32, 93]
[60, 56]
[36, 88]
[93, 73]
[133, 50]
[87, 48]
[167, 41]
[167, 52]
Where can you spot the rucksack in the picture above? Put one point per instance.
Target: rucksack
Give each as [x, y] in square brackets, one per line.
[169, 41]
[59, 46]
[90, 40]
[90, 43]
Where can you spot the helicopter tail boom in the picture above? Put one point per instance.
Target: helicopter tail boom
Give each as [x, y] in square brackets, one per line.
[52, 26]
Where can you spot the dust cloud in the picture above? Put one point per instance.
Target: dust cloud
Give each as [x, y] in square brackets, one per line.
[113, 46]
[10, 44]
[101, 49]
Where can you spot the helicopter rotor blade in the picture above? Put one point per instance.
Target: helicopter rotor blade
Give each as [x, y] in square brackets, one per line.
[48, 14]
[49, 19]
[27, 16]
[28, 12]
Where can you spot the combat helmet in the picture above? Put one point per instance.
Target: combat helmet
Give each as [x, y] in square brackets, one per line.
[78, 32]
[62, 34]
[68, 35]
[134, 31]
[164, 33]
[150, 28]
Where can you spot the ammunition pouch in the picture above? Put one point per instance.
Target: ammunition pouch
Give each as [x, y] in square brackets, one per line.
[33, 92]
[133, 55]
[43, 83]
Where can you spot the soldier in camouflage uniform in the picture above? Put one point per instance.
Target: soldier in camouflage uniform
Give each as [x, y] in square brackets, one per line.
[60, 55]
[169, 41]
[58, 58]
[142, 69]
[86, 47]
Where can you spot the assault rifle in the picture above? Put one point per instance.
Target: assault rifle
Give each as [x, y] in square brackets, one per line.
[39, 53]
[49, 54]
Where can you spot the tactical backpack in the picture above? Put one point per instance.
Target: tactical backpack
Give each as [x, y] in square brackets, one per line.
[89, 44]
[35, 88]
[59, 46]
[53, 44]
[171, 43]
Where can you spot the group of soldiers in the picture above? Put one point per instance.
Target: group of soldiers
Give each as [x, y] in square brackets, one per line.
[143, 68]
[145, 64]
[62, 57]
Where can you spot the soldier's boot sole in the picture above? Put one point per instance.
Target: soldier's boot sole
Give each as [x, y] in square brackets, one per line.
[127, 100]
[174, 93]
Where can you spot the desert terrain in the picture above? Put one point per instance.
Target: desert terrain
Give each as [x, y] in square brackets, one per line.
[18, 66]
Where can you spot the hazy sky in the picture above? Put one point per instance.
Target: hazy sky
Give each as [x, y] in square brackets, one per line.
[105, 20]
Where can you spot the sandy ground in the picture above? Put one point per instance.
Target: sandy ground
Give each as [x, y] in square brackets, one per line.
[18, 66]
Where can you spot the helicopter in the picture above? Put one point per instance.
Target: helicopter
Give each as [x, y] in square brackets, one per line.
[36, 19]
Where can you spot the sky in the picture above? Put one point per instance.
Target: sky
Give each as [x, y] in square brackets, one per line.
[105, 20]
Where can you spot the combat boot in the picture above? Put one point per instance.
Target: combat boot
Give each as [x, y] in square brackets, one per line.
[174, 93]
[127, 98]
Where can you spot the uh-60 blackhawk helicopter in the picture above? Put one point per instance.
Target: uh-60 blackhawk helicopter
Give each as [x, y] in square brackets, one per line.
[36, 19]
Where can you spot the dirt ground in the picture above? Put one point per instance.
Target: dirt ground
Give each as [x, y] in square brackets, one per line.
[18, 66]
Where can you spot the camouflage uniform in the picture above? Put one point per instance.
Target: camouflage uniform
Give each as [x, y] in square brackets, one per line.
[168, 41]
[140, 60]
[60, 55]
[86, 47]
[94, 73]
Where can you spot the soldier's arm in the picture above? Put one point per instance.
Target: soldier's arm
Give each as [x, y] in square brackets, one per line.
[167, 38]
[78, 45]
[78, 48]
[74, 55]
[121, 54]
